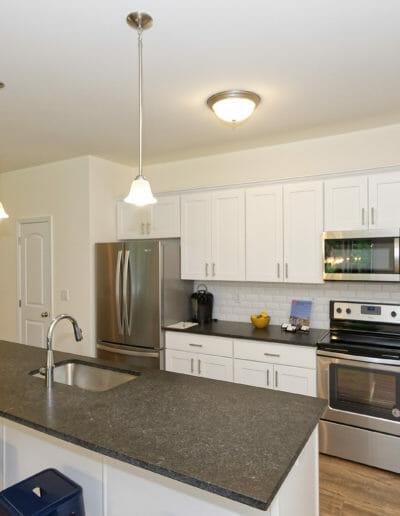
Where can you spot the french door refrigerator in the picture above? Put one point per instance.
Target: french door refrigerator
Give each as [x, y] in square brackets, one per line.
[138, 291]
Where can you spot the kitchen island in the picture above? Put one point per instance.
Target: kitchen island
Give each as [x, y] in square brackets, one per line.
[163, 443]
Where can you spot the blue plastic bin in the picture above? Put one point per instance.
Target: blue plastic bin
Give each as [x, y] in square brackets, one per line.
[48, 493]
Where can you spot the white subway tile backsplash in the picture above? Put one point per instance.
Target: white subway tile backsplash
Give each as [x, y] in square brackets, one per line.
[236, 301]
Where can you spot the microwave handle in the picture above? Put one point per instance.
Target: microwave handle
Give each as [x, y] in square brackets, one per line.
[396, 243]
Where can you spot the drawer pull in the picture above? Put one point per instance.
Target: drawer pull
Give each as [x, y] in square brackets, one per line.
[267, 377]
[272, 355]
[196, 345]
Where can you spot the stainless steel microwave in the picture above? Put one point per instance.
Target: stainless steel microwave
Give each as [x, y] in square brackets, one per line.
[369, 255]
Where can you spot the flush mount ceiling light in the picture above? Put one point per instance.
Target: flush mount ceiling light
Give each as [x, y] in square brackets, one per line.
[3, 214]
[140, 193]
[233, 106]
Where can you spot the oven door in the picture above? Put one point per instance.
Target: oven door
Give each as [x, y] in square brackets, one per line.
[360, 393]
[361, 255]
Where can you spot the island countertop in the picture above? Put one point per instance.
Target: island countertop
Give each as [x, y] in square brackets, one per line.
[243, 330]
[233, 440]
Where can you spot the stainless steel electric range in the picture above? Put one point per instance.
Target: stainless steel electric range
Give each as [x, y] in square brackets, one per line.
[359, 375]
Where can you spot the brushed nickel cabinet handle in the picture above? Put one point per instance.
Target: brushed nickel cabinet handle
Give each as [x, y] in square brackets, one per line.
[44, 314]
[196, 345]
[272, 355]
[198, 364]
[372, 215]
[213, 269]
[286, 270]
[267, 377]
[142, 226]
[191, 365]
[276, 378]
[362, 216]
[206, 270]
[278, 267]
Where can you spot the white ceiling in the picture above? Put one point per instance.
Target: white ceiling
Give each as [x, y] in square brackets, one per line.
[70, 68]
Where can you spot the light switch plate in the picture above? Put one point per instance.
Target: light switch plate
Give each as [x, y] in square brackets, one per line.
[64, 295]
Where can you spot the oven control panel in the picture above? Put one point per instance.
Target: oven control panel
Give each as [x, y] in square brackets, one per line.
[356, 311]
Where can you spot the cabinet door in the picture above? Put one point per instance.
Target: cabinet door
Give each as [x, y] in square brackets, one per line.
[180, 362]
[303, 223]
[295, 379]
[384, 195]
[346, 203]
[217, 368]
[257, 374]
[228, 235]
[132, 221]
[264, 234]
[165, 218]
[196, 236]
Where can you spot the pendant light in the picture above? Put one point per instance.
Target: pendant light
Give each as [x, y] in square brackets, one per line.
[3, 214]
[233, 106]
[140, 193]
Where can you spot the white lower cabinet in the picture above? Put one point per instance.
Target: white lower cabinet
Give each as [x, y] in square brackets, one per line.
[297, 380]
[272, 365]
[199, 364]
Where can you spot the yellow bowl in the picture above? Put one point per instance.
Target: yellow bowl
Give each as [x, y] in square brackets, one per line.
[260, 322]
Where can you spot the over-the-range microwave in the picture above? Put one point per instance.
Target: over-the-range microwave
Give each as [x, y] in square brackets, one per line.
[366, 255]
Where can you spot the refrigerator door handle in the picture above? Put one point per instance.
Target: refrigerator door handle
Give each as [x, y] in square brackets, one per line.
[127, 271]
[118, 294]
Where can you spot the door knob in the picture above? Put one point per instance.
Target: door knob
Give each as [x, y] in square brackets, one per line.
[44, 314]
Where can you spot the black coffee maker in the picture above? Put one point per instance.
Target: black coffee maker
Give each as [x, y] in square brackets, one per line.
[202, 305]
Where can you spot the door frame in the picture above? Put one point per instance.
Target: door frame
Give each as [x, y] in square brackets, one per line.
[20, 222]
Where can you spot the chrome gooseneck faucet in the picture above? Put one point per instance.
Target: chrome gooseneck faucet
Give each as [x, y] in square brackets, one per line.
[49, 369]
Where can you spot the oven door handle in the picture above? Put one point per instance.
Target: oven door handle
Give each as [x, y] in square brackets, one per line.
[347, 356]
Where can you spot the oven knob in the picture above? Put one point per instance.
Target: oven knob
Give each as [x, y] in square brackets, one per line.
[348, 311]
[396, 412]
[339, 310]
[393, 314]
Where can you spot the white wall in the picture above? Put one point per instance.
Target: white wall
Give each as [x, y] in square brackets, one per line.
[60, 190]
[346, 152]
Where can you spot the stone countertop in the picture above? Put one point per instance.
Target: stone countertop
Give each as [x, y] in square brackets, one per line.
[242, 330]
[237, 441]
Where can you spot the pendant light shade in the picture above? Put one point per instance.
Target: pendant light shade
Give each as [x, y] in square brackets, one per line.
[140, 193]
[3, 214]
[233, 106]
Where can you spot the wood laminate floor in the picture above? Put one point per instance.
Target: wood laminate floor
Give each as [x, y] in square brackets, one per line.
[351, 489]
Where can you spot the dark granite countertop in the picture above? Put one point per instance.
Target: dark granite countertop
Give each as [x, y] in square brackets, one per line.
[242, 330]
[233, 440]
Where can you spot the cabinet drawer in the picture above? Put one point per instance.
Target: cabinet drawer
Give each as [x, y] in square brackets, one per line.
[219, 346]
[275, 353]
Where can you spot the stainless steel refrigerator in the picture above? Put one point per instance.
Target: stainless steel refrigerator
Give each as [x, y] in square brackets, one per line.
[138, 291]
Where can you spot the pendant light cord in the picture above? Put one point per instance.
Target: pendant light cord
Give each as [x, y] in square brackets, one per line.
[140, 45]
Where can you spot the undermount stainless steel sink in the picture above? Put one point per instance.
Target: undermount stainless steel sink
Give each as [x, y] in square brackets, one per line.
[85, 375]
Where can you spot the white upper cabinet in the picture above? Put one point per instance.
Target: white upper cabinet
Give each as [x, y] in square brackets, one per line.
[160, 220]
[384, 200]
[346, 203]
[303, 225]
[212, 232]
[195, 236]
[228, 235]
[264, 233]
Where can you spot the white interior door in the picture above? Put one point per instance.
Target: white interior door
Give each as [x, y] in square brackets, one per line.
[35, 281]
